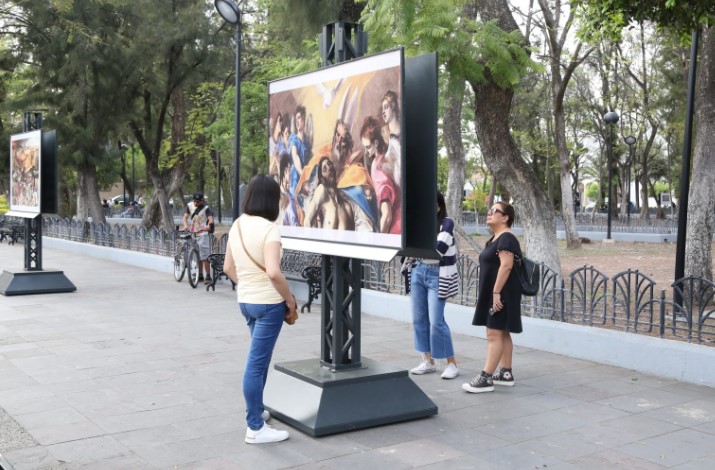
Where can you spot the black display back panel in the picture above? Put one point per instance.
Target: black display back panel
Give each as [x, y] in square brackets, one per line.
[420, 161]
[50, 176]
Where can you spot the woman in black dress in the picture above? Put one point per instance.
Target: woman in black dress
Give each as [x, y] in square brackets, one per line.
[499, 299]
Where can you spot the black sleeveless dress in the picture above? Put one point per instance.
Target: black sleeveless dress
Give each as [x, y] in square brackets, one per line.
[509, 317]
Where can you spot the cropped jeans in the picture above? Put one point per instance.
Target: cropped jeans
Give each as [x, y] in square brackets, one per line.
[432, 333]
[264, 323]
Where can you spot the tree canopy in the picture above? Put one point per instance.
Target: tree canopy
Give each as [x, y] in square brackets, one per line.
[679, 15]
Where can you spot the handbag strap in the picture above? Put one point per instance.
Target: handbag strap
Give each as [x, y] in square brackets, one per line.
[240, 235]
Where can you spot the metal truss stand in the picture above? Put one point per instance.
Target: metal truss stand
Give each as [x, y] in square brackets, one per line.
[34, 280]
[342, 391]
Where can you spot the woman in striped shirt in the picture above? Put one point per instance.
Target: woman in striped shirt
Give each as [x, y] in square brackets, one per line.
[432, 282]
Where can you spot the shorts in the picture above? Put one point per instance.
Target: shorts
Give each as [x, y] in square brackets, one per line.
[204, 244]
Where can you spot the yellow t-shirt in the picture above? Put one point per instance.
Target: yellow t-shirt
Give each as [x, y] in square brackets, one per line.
[254, 286]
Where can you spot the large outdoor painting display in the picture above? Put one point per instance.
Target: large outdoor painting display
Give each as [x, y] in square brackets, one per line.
[25, 160]
[335, 148]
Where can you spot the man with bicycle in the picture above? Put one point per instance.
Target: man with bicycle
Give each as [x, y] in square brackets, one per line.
[202, 224]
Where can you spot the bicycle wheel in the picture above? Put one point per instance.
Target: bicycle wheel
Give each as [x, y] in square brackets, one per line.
[193, 267]
[179, 267]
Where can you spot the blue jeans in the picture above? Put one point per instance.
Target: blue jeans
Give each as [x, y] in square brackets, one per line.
[264, 323]
[432, 333]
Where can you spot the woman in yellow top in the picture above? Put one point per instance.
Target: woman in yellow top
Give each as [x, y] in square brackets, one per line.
[253, 262]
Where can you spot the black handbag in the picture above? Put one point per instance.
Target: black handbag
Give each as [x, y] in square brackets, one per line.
[528, 273]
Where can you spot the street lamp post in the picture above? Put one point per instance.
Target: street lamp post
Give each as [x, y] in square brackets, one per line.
[218, 173]
[133, 176]
[228, 9]
[124, 175]
[630, 140]
[611, 117]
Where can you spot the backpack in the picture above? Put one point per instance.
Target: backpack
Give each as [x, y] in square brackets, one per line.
[528, 273]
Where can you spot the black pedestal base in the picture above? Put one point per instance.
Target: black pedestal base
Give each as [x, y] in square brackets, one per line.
[34, 282]
[320, 402]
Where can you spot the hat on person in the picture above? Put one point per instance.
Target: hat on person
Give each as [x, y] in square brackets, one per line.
[198, 196]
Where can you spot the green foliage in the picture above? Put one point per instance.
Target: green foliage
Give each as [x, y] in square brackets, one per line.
[477, 200]
[593, 191]
[67, 183]
[3, 204]
[660, 187]
[279, 41]
[466, 48]
[204, 103]
[442, 173]
[77, 68]
[607, 18]
[295, 18]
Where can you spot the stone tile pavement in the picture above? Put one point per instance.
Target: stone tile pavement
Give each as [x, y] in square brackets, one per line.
[137, 371]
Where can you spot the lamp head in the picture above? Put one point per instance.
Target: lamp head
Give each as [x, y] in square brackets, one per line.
[630, 140]
[228, 10]
[611, 117]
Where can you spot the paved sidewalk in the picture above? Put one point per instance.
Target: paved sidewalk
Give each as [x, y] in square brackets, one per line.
[137, 371]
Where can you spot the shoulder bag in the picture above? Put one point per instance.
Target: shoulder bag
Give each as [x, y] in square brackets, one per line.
[528, 273]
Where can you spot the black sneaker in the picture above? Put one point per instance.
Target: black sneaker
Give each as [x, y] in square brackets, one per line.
[480, 384]
[208, 280]
[201, 277]
[503, 377]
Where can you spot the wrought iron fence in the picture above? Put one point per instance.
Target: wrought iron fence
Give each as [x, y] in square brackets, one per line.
[629, 301]
[596, 222]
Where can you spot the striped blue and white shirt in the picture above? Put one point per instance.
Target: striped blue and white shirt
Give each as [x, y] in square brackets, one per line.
[446, 247]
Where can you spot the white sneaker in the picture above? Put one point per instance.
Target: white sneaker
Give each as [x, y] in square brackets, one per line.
[450, 372]
[264, 435]
[425, 367]
[265, 415]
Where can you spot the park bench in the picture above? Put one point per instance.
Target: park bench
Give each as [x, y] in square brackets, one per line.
[216, 263]
[11, 232]
[312, 275]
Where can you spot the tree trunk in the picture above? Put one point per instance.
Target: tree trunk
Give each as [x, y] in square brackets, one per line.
[645, 179]
[158, 212]
[624, 193]
[82, 197]
[567, 210]
[88, 202]
[492, 109]
[92, 191]
[559, 82]
[701, 197]
[452, 132]
[492, 192]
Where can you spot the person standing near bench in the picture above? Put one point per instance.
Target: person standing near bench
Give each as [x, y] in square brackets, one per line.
[253, 262]
[431, 284]
[202, 224]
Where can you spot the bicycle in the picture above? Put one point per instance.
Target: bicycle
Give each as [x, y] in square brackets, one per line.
[186, 258]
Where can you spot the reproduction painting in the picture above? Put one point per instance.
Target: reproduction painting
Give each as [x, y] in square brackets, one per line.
[25, 160]
[335, 148]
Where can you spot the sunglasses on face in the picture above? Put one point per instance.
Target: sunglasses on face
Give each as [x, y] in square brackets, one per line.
[493, 210]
